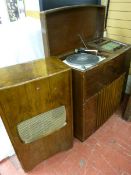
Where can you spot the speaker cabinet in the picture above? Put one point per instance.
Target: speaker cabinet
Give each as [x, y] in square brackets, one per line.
[36, 108]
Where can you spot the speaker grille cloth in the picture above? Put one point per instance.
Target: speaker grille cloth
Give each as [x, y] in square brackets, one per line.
[42, 125]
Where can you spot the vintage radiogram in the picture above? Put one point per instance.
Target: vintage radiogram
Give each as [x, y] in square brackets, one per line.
[99, 65]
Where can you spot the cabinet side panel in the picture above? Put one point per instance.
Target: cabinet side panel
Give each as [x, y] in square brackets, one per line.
[29, 100]
[78, 102]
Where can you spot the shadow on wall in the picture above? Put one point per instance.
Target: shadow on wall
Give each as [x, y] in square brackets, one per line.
[128, 87]
[6, 148]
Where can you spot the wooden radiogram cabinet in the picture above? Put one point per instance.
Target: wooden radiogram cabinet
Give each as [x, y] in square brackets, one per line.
[36, 109]
[97, 91]
[97, 94]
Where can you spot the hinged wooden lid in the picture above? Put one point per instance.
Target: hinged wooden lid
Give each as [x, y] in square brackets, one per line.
[62, 26]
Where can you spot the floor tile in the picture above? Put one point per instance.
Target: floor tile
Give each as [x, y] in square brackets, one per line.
[106, 152]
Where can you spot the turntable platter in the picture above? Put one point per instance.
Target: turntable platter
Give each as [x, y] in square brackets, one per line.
[82, 59]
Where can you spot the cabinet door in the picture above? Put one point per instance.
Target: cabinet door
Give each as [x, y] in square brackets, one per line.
[109, 99]
[90, 116]
[101, 106]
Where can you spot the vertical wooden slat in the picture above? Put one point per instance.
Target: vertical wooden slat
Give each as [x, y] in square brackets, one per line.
[119, 21]
[109, 99]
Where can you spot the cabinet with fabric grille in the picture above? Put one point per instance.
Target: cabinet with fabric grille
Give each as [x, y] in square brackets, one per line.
[36, 109]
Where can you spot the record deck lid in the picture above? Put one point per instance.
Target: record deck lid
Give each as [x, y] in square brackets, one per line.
[62, 27]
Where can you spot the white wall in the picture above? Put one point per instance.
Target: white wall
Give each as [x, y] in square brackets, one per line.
[4, 12]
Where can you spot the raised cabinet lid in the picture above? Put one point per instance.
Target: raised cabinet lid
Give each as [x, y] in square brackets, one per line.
[62, 26]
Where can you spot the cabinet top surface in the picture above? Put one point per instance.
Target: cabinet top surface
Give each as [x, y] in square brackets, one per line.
[31, 71]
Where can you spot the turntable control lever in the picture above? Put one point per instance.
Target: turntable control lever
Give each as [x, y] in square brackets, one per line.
[82, 40]
[86, 50]
[82, 50]
[95, 51]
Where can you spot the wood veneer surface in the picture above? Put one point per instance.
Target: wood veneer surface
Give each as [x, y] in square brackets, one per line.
[63, 26]
[28, 90]
[30, 71]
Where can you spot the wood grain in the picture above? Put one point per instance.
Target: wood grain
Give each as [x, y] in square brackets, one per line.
[118, 6]
[25, 95]
[120, 38]
[119, 15]
[92, 90]
[119, 24]
[63, 25]
[90, 116]
[109, 99]
[119, 31]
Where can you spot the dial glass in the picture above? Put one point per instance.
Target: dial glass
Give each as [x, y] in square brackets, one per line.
[110, 46]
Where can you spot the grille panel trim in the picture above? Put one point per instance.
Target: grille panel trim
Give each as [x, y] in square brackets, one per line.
[42, 125]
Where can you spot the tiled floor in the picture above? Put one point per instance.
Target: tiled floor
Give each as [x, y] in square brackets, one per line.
[106, 152]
